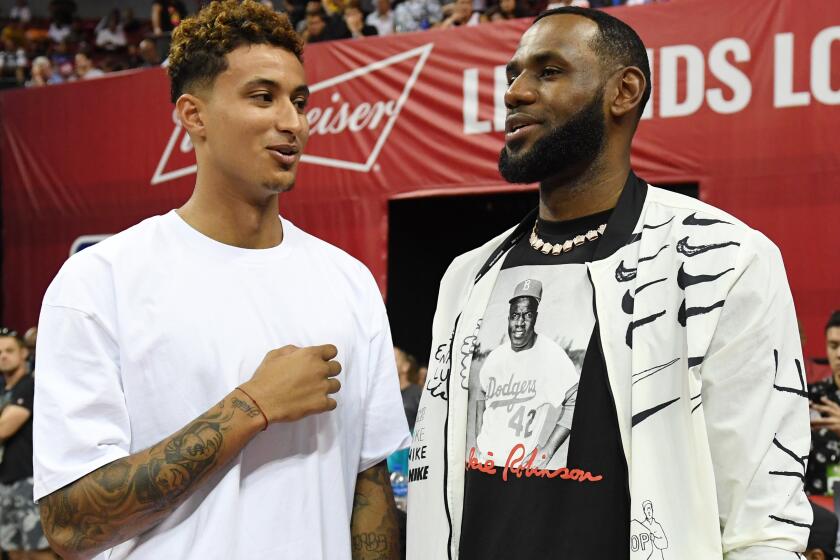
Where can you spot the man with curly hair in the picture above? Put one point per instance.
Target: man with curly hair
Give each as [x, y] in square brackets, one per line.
[220, 306]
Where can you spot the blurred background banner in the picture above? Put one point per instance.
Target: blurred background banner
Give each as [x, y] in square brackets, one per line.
[744, 112]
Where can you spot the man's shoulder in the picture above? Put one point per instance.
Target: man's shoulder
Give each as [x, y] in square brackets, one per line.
[698, 219]
[317, 248]
[95, 264]
[473, 259]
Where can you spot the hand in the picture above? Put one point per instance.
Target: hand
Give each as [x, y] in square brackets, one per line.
[830, 419]
[293, 382]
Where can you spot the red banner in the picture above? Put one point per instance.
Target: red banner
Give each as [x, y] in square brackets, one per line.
[744, 103]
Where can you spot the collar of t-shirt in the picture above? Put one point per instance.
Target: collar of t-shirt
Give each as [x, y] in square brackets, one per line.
[567, 229]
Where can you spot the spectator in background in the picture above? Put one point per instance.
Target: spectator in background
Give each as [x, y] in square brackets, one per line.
[110, 35]
[825, 415]
[422, 372]
[411, 391]
[42, 73]
[30, 339]
[20, 12]
[822, 542]
[383, 18]
[21, 534]
[315, 30]
[85, 69]
[355, 22]
[417, 15]
[505, 9]
[13, 63]
[149, 54]
[462, 15]
[167, 15]
[59, 32]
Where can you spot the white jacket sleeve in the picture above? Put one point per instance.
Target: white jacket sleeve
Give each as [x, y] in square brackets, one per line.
[756, 411]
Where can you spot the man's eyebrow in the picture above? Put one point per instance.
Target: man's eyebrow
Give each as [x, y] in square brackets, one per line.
[261, 82]
[538, 58]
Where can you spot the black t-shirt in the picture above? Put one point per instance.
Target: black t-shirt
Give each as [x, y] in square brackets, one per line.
[16, 461]
[538, 377]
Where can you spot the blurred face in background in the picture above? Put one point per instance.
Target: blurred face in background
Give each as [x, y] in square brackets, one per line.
[832, 350]
[315, 24]
[12, 355]
[507, 6]
[463, 10]
[383, 6]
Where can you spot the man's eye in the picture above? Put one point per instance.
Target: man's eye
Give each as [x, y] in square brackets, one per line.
[550, 71]
[300, 103]
[263, 97]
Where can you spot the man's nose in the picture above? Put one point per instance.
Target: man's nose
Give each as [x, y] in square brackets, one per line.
[520, 92]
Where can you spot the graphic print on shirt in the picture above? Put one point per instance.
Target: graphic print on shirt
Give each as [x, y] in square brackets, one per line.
[526, 365]
[647, 537]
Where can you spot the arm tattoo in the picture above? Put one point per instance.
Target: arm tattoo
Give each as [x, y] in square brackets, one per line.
[374, 530]
[248, 409]
[121, 499]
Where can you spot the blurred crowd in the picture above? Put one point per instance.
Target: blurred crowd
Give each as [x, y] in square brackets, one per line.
[58, 47]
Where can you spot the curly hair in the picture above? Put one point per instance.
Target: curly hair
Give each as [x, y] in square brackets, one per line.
[200, 43]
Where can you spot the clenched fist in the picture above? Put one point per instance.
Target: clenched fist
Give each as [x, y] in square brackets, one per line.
[293, 382]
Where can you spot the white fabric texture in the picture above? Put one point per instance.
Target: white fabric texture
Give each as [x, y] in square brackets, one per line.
[702, 352]
[143, 332]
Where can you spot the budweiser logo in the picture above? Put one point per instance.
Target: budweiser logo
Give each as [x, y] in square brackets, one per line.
[350, 117]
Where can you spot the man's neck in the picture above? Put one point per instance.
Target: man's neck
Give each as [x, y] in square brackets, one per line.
[227, 217]
[13, 377]
[595, 189]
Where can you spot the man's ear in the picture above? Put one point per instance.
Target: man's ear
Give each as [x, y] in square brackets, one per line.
[628, 89]
[189, 109]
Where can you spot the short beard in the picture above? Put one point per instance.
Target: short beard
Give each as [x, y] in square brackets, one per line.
[564, 148]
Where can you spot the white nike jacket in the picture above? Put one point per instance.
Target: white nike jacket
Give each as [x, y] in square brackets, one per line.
[704, 363]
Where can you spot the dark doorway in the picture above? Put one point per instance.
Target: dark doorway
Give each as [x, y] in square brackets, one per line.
[426, 234]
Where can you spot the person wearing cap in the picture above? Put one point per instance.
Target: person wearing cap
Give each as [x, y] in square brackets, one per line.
[678, 318]
[520, 384]
[822, 541]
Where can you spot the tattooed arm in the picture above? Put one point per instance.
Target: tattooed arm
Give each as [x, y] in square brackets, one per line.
[131, 495]
[374, 530]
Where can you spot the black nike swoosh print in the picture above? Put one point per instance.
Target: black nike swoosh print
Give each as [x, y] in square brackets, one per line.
[643, 321]
[693, 220]
[684, 279]
[627, 302]
[684, 314]
[623, 274]
[685, 248]
[652, 371]
[638, 235]
[645, 414]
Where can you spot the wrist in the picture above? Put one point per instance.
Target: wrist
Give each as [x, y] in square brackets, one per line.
[245, 401]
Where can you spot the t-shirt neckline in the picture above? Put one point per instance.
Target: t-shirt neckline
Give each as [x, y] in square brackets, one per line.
[216, 249]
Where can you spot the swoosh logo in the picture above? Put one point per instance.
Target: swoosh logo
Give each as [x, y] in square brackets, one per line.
[689, 250]
[636, 236]
[693, 220]
[684, 314]
[643, 321]
[640, 416]
[627, 302]
[623, 274]
[684, 279]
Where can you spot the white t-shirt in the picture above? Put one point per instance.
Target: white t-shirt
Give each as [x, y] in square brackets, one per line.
[145, 331]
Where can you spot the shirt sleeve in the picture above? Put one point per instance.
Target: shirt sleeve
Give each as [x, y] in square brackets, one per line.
[81, 422]
[23, 393]
[568, 411]
[756, 412]
[386, 427]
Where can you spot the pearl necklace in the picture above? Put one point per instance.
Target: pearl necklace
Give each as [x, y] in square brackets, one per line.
[547, 248]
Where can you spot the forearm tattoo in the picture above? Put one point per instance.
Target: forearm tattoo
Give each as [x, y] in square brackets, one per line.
[122, 499]
[374, 530]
